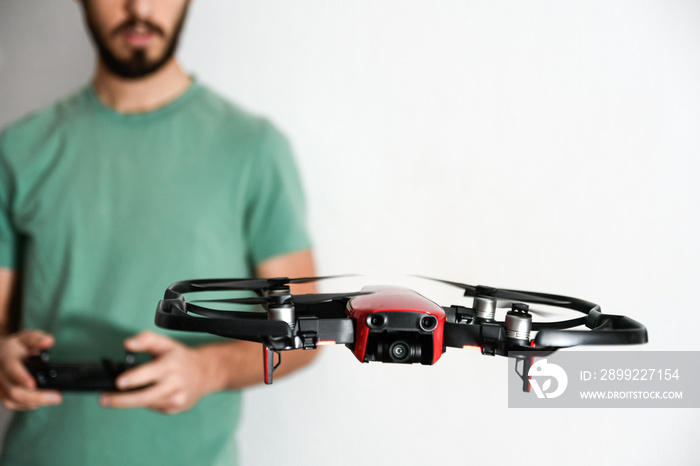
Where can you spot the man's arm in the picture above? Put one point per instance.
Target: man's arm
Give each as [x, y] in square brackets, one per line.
[8, 278]
[182, 375]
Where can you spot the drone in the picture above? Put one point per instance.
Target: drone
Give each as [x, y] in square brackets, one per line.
[391, 324]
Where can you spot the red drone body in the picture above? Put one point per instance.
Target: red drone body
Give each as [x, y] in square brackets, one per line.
[396, 325]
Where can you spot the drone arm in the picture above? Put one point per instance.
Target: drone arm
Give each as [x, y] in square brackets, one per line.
[459, 335]
[313, 331]
[455, 314]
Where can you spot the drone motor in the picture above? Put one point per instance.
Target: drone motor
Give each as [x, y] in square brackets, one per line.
[518, 322]
[281, 308]
[485, 307]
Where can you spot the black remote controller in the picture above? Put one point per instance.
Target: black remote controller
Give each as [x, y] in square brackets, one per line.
[77, 376]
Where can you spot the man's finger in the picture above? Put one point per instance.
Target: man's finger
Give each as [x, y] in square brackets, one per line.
[17, 374]
[35, 340]
[149, 373]
[144, 398]
[23, 398]
[149, 342]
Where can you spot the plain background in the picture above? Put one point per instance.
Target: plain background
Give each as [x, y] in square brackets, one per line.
[541, 145]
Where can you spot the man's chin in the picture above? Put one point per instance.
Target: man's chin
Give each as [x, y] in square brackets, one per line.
[132, 69]
[134, 64]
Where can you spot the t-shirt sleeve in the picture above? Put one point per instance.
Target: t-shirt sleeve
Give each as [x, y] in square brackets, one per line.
[8, 236]
[276, 214]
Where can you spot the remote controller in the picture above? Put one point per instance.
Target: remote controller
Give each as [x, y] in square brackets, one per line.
[77, 376]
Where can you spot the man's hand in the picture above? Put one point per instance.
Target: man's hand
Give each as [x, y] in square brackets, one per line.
[176, 379]
[181, 376]
[17, 387]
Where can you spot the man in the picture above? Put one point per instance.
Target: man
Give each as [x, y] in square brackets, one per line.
[141, 179]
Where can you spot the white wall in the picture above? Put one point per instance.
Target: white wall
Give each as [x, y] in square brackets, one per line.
[537, 145]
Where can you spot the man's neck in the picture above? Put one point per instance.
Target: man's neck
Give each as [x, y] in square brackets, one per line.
[142, 94]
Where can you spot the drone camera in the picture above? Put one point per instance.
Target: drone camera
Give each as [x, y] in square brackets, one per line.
[401, 351]
[400, 337]
[402, 348]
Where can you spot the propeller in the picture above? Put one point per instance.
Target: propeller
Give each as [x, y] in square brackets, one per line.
[510, 295]
[467, 288]
[257, 283]
[504, 298]
[311, 298]
[206, 312]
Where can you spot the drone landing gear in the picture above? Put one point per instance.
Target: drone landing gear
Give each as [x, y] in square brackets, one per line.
[269, 362]
[524, 373]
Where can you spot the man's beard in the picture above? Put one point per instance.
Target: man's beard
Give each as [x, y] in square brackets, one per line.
[138, 65]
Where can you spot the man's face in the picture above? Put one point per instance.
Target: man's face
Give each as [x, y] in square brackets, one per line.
[135, 37]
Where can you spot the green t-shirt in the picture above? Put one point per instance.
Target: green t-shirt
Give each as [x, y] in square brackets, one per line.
[100, 212]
